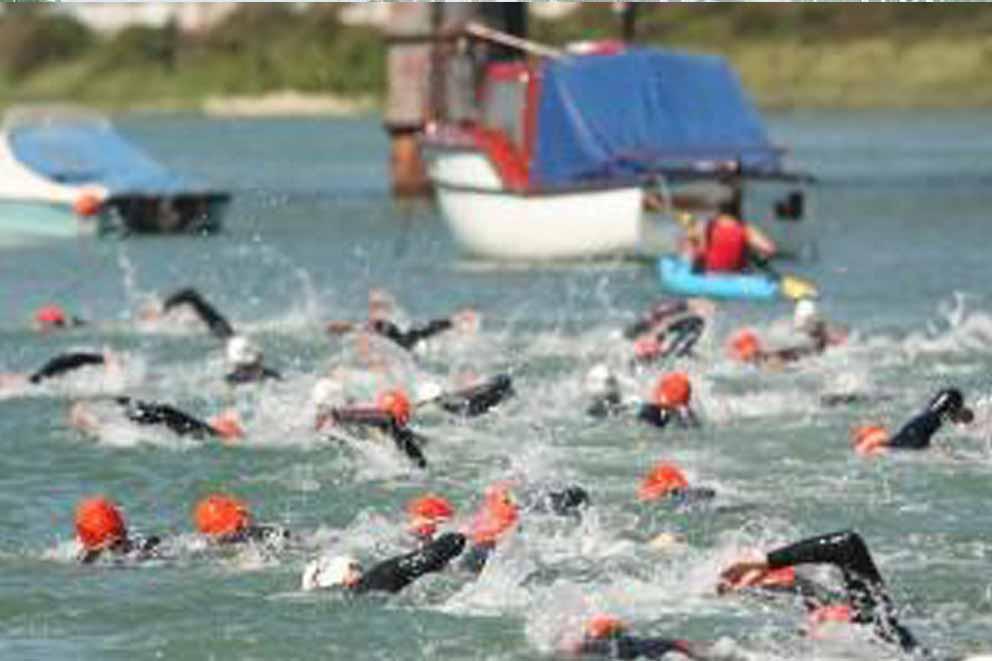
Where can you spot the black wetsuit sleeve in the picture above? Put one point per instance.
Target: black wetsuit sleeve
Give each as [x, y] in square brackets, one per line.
[252, 375]
[153, 413]
[396, 573]
[630, 647]
[863, 583]
[409, 339]
[683, 335]
[654, 415]
[692, 496]
[605, 406]
[476, 400]
[65, 362]
[218, 325]
[916, 434]
[408, 442]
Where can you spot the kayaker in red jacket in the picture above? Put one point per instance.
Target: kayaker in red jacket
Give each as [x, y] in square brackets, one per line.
[725, 242]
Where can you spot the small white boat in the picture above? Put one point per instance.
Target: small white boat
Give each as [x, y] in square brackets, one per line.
[491, 222]
[565, 151]
[65, 171]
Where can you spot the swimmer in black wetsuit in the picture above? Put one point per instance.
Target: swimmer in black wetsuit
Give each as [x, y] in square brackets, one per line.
[389, 576]
[671, 398]
[224, 426]
[602, 385]
[390, 416]
[101, 531]
[53, 317]
[227, 520]
[246, 363]
[471, 401]
[64, 363]
[946, 406]
[218, 326]
[865, 591]
[607, 637]
[676, 340]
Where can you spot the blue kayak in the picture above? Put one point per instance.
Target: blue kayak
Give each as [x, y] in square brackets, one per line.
[678, 277]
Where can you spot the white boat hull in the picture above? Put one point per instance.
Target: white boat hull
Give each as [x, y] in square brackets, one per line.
[490, 222]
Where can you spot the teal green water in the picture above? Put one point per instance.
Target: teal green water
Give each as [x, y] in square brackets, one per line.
[903, 238]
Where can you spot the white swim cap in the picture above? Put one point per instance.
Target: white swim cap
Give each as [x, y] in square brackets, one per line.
[241, 352]
[600, 379]
[329, 572]
[327, 391]
[806, 315]
[428, 390]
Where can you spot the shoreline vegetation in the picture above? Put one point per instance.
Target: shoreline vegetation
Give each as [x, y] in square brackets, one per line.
[271, 60]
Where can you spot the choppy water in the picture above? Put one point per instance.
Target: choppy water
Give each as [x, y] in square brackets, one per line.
[903, 247]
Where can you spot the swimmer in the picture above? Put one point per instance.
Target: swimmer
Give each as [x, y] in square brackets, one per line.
[52, 317]
[806, 319]
[666, 482]
[744, 346]
[566, 502]
[471, 401]
[603, 387]
[496, 518]
[246, 364]
[225, 426]
[183, 303]
[424, 515]
[661, 314]
[390, 415]
[101, 531]
[380, 322]
[388, 576]
[676, 339]
[946, 406]
[607, 637]
[58, 366]
[225, 520]
[866, 598]
[670, 401]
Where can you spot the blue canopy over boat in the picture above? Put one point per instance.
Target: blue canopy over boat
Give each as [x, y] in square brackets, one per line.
[642, 111]
[91, 152]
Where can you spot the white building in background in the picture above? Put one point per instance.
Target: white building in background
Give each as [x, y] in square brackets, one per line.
[110, 17]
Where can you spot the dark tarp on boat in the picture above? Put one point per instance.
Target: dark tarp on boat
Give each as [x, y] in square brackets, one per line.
[645, 110]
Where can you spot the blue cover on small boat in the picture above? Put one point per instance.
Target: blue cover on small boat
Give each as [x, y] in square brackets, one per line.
[77, 153]
[642, 111]
[678, 277]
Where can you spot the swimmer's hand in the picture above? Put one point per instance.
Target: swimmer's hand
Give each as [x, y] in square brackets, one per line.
[339, 327]
[742, 574]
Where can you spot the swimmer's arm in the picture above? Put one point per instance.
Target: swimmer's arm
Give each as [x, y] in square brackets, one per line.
[66, 363]
[916, 434]
[218, 325]
[409, 442]
[654, 415]
[396, 573]
[845, 550]
[430, 329]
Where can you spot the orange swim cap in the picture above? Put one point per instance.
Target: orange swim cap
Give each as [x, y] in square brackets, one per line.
[50, 315]
[663, 479]
[646, 348]
[869, 439]
[496, 517]
[744, 345]
[672, 390]
[99, 524]
[426, 512]
[220, 515]
[87, 205]
[395, 403]
[603, 626]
